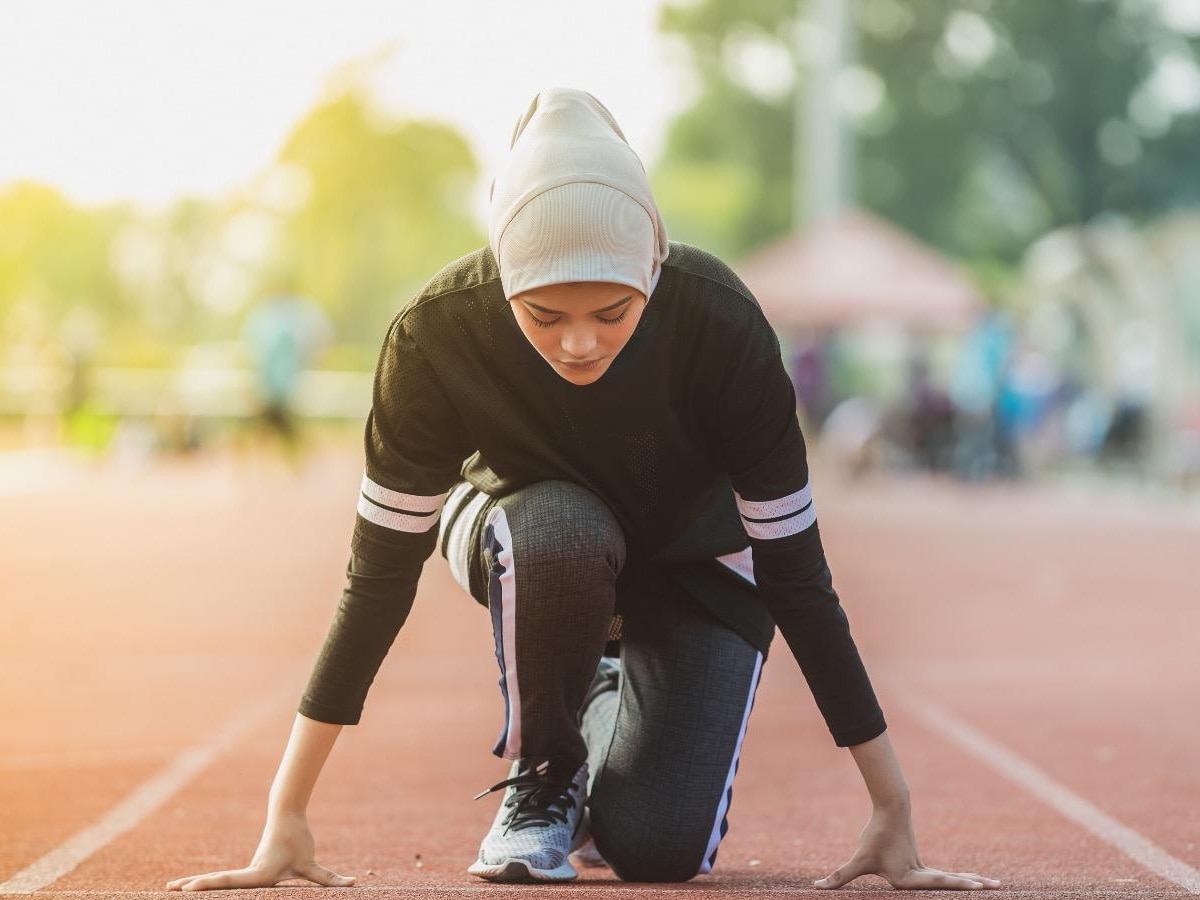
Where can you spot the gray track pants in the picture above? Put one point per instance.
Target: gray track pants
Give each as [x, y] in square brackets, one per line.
[549, 562]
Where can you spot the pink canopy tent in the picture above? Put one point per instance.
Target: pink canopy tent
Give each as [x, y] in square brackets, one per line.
[857, 268]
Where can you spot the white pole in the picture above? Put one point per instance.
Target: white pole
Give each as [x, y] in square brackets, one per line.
[823, 161]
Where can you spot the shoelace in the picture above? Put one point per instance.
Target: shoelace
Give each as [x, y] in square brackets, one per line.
[537, 792]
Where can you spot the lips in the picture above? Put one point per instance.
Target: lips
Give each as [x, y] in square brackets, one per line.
[582, 365]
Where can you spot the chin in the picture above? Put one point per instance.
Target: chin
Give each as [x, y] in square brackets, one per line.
[581, 378]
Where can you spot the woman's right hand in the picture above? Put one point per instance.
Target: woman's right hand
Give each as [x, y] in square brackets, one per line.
[287, 850]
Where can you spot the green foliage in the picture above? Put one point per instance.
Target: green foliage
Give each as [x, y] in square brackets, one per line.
[997, 119]
[383, 205]
[727, 187]
[387, 206]
[350, 357]
[709, 203]
[54, 255]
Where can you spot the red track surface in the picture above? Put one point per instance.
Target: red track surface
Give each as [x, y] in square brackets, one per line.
[143, 612]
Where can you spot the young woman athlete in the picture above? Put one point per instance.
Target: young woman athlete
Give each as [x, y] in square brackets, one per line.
[594, 426]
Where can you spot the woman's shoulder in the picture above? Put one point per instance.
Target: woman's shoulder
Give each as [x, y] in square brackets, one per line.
[472, 277]
[698, 263]
[710, 283]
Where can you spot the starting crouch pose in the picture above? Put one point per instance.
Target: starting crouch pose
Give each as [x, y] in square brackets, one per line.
[594, 427]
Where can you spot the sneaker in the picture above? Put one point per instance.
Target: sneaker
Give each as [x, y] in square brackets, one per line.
[537, 826]
[598, 725]
[586, 854]
[607, 676]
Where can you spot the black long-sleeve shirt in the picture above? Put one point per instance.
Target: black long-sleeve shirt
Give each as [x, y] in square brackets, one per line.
[690, 437]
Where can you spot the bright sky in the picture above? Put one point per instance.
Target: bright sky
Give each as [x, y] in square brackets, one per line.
[150, 99]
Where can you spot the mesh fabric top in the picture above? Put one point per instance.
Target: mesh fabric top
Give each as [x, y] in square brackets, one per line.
[690, 437]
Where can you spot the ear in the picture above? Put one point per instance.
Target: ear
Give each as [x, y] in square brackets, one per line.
[524, 120]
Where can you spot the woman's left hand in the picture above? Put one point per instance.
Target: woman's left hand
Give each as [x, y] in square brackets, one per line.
[888, 847]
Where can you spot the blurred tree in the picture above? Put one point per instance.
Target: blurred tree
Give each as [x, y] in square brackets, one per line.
[54, 257]
[386, 205]
[724, 182]
[170, 265]
[358, 212]
[981, 123]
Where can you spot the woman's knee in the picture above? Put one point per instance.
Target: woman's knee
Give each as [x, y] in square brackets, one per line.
[560, 523]
[652, 859]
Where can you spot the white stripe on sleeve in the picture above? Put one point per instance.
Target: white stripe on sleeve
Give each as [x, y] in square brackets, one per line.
[413, 513]
[787, 515]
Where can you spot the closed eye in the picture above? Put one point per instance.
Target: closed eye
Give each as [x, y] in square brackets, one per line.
[542, 323]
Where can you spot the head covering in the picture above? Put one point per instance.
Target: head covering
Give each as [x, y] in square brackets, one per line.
[571, 202]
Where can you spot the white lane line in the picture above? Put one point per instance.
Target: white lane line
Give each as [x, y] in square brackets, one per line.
[138, 805]
[85, 759]
[1083, 813]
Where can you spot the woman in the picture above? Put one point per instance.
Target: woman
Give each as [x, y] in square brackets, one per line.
[633, 509]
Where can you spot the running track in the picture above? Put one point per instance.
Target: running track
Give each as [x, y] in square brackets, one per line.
[1035, 652]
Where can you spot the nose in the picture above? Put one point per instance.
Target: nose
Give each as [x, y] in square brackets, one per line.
[578, 343]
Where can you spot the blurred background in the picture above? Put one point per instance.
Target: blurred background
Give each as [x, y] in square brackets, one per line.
[974, 224]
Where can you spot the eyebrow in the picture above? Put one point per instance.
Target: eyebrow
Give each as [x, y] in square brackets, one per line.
[557, 312]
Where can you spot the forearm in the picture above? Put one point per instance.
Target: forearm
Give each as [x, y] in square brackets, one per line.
[797, 586]
[833, 669]
[307, 749]
[374, 606]
[881, 773]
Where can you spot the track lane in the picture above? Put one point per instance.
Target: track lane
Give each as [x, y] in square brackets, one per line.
[1059, 694]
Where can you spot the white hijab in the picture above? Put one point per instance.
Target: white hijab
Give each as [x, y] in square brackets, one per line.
[571, 202]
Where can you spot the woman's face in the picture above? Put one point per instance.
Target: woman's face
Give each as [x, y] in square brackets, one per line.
[579, 322]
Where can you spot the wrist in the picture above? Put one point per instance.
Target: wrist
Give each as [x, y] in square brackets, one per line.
[894, 804]
[285, 814]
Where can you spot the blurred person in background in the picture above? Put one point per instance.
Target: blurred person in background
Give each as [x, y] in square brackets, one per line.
[634, 511]
[86, 426]
[1127, 436]
[1028, 411]
[79, 337]
[929, 420]
[856, 439]
[982, 448]
[283, 336]
[810, 376]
